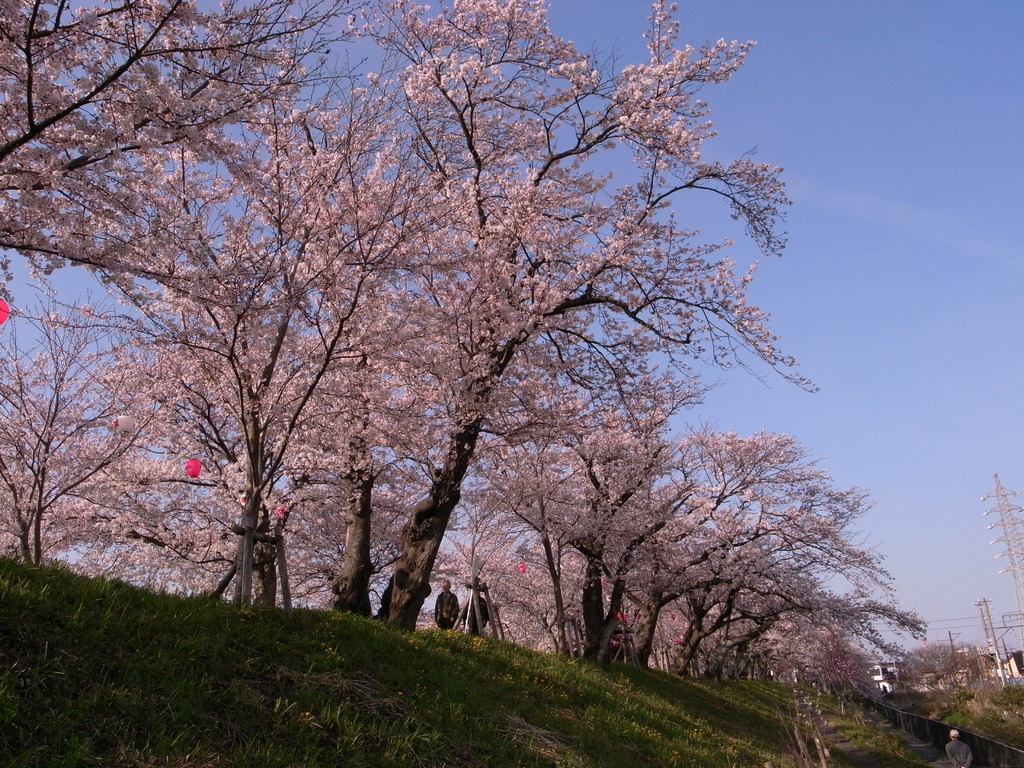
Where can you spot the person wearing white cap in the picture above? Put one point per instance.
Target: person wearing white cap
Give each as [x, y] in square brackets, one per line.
[959, 754]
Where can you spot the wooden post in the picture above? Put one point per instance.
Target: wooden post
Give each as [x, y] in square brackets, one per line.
[236, 569]
[472, 611]
[495, 619]
[575, 639]
[223, 585]
[282, 566]
[473, 608]
[245, 587]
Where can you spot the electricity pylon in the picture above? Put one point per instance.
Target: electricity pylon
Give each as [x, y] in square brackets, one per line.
[1013, 537]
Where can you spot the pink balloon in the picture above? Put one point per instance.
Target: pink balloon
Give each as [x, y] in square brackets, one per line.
[522, 567]
[193, 467]
[5, 311]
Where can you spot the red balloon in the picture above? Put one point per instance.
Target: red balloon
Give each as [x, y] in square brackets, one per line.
[193, 467]
[5, 311]
[522, 567]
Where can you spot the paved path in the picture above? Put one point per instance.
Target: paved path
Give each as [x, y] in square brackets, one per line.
[839, 742]
[933, 757]
[924, 750]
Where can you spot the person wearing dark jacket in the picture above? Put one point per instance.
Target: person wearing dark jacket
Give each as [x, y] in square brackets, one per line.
[446, 609]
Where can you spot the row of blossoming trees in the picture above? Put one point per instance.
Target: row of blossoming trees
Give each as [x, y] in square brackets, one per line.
[440, 299]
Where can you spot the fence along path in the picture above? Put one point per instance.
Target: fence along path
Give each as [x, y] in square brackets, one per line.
[826, 734]
[933, 734]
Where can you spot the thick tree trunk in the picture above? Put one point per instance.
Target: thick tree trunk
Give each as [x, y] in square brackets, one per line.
[264, 571]
[592, 610]
[23, 545]
[694, 635]
[686, 651]
[613, 623]
[352, 586]
[599, 623]
[424, 531]
[644, 639]
[421, 540]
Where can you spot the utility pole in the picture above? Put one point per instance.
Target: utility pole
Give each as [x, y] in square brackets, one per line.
[1013, 537]
[990, 635]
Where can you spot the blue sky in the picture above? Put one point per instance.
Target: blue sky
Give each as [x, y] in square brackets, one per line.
[899, 125]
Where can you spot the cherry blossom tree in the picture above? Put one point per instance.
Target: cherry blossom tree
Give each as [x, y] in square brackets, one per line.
[841, 665]
[405, 258]
[61, 391]
[273, 310]
[830, 644]
[534, 248]
[587, 488]
[536, 486]
[620, 519]
[745, 539]
[96, 97]
[767, 536]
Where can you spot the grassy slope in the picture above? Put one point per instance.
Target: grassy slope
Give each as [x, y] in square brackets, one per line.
[94, 672]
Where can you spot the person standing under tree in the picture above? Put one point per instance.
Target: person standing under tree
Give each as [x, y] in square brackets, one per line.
[959, 754]
[446, 609]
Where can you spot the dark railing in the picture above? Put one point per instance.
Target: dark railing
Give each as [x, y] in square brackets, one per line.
[935, 732]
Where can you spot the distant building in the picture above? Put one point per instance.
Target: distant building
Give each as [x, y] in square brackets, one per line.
[1007, 670]
[885, 677]
[1015, 665]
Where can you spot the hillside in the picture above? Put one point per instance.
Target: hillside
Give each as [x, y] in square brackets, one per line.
[98, 673]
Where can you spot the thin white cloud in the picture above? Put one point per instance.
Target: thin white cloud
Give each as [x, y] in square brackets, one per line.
[922, 223]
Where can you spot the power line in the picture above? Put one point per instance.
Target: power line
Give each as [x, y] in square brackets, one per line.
[961, 618]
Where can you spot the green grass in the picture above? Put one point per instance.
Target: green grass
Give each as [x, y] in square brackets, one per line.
[98, 673]
[875, 739]
[993, 711]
